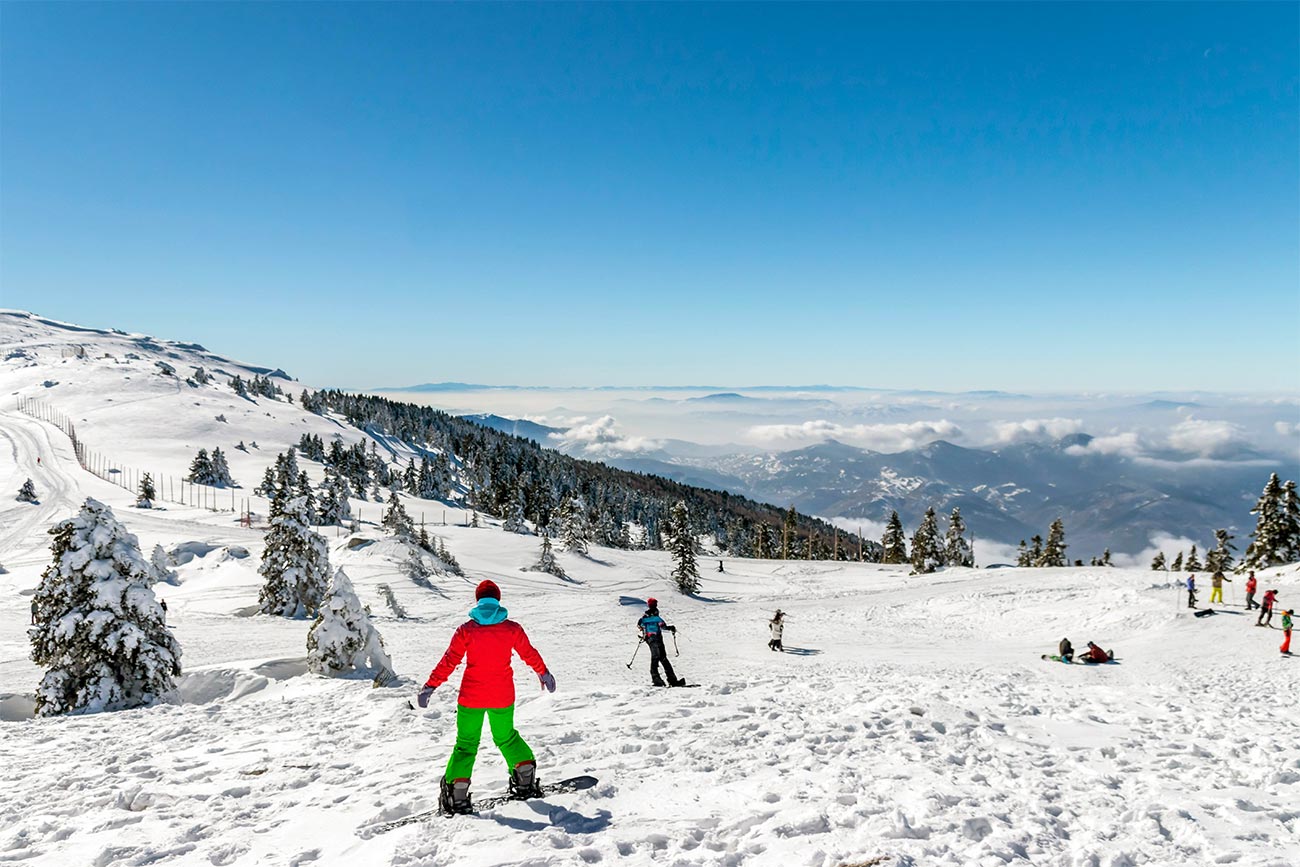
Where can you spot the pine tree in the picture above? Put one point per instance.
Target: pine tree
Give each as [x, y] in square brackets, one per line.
[334, 505]
[1035, 557]
[574, 531]
[515, 521]
[546, 561]
[147, 492]
[956, 549]
[267, 487]
[927, 555]
[220, 470]
[1054, 550]
[308, 498]
[894, 541]
[100, 633]
[1105, 558]
[343, 639]
[789, 534]
[27, 493]
[447, 559]
[1221, 557]
[681, 544]
[1023, 557]
[396, 520]
[295, 564]
[162, 567]
[1177, 565]
[1158, 564]
[1193, 562]
[1291, 523]
[200, 469]
[1270, 545]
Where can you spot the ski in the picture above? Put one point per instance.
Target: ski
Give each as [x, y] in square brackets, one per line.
[563, 787]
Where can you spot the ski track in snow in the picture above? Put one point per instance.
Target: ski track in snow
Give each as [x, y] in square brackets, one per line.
[911, 720]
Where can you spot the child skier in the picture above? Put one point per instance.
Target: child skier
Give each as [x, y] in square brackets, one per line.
[1251, 584]
[1266, 610]
[486, 641]
[1286, 631]
[652, 628]
[777, 625]
[1216, 583]
[1191, 591]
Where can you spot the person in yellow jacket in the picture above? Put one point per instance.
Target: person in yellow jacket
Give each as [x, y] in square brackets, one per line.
[1216, 582]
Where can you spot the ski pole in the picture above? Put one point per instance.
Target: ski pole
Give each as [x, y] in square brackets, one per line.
[676, 652]
[640, 641]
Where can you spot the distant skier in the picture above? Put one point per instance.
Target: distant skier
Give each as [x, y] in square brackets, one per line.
[162, 603]
[1286, 631]
[486, 642]
[1096, 654]
[720, 569]
[33, 611]
[652, 628]
[777, 625]
[1251, 584]
[1066, 650]
[1216, 583]
[1191, 591]
[1266, 610]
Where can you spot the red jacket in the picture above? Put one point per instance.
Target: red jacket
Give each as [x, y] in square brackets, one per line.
[488, 681]
[1269, 598]
[1096, 654]
[1251, 585]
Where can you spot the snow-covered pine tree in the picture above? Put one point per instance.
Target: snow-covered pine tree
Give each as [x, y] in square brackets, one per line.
[546, 561]
[1177, 565]
[515, 521]
[1291, 522]
[163, 567]
[100, 634]
[221, 470]
[396, 521]
[575, 534]
[295, 564]
[334, 505]
[200, 469]
[1158, 564]
[1272, 540]
[956, 547]
[894, 541]
[1193, 562]
[790, 534]
[681, 545]
[308, 498]
[448, 560]
[927, 553]
[267, 487]
[343, 639]
[1035, 550]
[1221, 557]
[27, 492]
[147, 493]
[1022, 555]
[1054, 549]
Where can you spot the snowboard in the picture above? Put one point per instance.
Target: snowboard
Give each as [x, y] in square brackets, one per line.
[563, 787]
[1055, 658]
[1205, 612]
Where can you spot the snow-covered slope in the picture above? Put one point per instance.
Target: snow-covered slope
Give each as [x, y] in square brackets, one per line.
[911, 718]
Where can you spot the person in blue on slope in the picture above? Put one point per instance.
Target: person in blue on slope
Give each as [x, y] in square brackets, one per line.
[652, 628]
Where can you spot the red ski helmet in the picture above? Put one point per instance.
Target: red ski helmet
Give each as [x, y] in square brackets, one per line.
[488, 589]
[652, 602]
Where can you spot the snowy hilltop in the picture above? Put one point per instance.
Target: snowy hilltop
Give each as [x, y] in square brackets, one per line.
[291, 610]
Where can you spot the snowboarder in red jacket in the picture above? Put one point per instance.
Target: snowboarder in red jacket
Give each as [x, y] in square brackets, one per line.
[487, 688]
[1266, 610]
[1096, 654]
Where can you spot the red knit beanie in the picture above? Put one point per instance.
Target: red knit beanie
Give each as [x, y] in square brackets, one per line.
[488, 588]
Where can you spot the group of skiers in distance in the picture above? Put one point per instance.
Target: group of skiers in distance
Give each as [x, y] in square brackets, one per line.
[1252, 585]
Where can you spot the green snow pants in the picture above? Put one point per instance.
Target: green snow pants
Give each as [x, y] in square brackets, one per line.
[469, 730]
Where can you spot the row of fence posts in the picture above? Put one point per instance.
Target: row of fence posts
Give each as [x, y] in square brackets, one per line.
[165, 487]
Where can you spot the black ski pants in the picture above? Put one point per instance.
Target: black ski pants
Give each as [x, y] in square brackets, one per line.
[658, 657]
[1265, 617]
[1251, 604]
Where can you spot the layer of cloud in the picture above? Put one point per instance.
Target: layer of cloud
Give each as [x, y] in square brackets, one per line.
[1035, 429]
[602, 437]
[879, 437]
[1199, 439]
[1208, 439]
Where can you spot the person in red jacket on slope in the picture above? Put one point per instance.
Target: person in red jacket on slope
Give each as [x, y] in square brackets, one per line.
[486, 641]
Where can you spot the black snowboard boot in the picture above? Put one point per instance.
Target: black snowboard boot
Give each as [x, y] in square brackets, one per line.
[523, 781]
[454, 797]
[681, 681]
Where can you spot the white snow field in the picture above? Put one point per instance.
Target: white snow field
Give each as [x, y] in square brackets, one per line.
[911, 720]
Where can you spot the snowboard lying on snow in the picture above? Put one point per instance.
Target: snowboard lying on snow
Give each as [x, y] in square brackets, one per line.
[1077, 660]
[563, 787]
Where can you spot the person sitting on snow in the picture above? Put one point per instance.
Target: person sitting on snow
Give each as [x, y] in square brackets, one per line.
[1096, 654]
[486, 641]
[1066, 650]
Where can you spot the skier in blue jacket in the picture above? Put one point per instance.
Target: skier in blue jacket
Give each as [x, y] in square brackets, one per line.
[652, 628]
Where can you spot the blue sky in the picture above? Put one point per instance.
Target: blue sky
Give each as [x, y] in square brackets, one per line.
[1045, 197]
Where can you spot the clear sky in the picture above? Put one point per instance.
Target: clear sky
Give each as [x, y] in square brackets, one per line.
[1048, 196]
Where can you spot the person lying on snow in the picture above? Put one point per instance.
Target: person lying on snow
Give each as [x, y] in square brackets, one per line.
[486, 641]
[1096, 654]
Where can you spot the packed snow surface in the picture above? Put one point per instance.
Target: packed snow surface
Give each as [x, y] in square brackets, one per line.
[910, 720]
